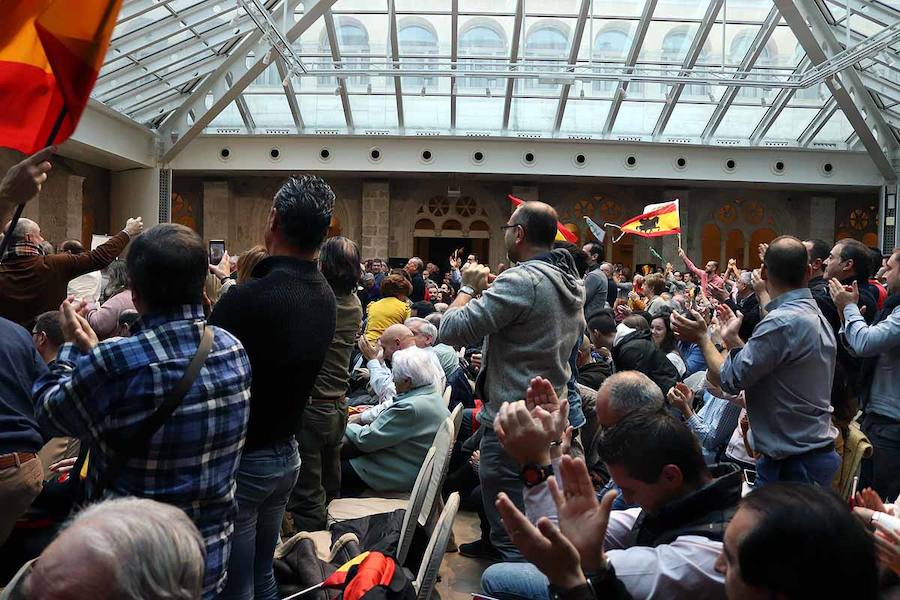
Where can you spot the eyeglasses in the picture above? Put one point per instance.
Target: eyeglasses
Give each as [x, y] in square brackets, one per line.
[511, 226]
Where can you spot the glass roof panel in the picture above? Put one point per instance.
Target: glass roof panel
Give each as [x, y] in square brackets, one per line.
[426, 112]
[532, 114]
[321, 111]
[740, 121]
[230, 117]
[491, 6]
[585, 116]
[637, 117]
[269, 110]
[479, 114]
[373, 111]
[791, 123]
[680, 9]
[689, 119]
[667, 42]
[836, 130]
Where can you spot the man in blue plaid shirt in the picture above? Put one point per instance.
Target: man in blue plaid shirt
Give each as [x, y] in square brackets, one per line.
[102, 392]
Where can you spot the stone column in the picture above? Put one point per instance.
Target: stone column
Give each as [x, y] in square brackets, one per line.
[821, 218]
[216, 210]
[376, 200]
[134, 193]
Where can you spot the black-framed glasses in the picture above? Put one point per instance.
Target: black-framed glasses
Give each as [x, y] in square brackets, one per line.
[502, 227]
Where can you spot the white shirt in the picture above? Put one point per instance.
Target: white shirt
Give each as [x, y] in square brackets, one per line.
[683, 569]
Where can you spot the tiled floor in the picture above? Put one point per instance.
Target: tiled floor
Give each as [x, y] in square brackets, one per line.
[461, 576]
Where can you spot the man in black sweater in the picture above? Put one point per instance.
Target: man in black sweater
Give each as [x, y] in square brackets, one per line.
[414, 267]
[285, 318]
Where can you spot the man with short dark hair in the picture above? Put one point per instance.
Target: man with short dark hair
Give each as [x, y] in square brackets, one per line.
[818, 252]
[414, 267]
[632, 349]
[596, 282]
[32, 282]
[104, 393]
[285, 317]
[785, 369]
[325, 416]
[708, 275]
[668, 545]
[47, 335]
[530, 318]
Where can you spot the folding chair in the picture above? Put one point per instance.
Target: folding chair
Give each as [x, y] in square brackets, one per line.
[437, 547]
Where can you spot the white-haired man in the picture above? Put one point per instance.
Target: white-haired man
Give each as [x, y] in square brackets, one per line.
[425, 335]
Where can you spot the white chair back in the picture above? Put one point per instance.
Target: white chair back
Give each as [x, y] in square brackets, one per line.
[457, 416]
[443, 444]
[448, 391]
[437, 547]
[414, 506]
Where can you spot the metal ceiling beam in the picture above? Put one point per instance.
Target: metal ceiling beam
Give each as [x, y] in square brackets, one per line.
[126, 96]
[636, 44]
[781, 101]
[331, 32]
[177, 123]
[818, 122]
[395, 61]
[244, 111]
[290, 94]
[573, 60]
[814, 34]
[513, 59]
[747, 63]
[454, 56]
[690, 60]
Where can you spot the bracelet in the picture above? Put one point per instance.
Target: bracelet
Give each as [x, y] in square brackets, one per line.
[556, 443]
[467, 289]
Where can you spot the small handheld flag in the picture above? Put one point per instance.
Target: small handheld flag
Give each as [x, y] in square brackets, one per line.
[656, 220]
[562, 233]
[598, 231]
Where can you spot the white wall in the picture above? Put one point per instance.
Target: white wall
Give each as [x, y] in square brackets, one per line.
[134, 193]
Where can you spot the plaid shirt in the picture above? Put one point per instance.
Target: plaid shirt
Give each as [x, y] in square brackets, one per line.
[191, 460]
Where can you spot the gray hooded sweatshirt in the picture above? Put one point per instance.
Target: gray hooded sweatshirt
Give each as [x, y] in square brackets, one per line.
[530, 318]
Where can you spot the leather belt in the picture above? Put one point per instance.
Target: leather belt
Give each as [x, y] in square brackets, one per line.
[16, 459]
[327, 400]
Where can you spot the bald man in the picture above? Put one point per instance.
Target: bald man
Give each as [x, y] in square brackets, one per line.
[531, 319]
[395, 338]
[32, 282]
[785, 369]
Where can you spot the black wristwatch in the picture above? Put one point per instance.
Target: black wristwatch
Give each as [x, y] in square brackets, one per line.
[533, 474]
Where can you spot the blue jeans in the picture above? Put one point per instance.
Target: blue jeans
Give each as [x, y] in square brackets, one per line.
[265, 478]
[514, 581]
[499, 473]
[882, 470]
[817, 468]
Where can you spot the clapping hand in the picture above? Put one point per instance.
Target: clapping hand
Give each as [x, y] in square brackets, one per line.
[475, 276]
[688, 329]
[730, 325]
[75, 328]
[870, 499]
[681, 397]
[544, 546]
[762, 252]
[526, 435]
[369, 351]
[134, 227]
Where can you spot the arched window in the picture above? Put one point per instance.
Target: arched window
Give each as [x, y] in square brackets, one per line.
[415, 40]
[674, 50]
[763, 235]
[353, 42]
[734, 247]
[610, 45]
[484, 42]
[545, 42]
[736, 53]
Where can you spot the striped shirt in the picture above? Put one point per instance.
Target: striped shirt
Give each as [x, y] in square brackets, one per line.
[190, 462]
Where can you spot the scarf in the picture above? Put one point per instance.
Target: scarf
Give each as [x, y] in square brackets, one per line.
[22, 248]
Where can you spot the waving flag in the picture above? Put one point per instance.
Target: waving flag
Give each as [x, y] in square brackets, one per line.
[50, 55]
[658, 219]
[598, 231]
[562, 232]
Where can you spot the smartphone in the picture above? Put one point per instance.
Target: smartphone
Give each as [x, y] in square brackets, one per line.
[750, 477]
[216, 251]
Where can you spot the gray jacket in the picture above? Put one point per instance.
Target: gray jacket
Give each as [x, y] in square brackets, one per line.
[530, 319]
[595, 296]
[881, 340]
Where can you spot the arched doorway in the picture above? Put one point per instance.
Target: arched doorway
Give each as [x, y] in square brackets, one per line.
[444, 226]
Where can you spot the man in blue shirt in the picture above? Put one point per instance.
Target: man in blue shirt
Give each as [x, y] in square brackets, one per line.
[785, 369]
[103, 392]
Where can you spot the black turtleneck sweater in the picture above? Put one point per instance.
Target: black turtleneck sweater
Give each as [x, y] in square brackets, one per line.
[285, 318]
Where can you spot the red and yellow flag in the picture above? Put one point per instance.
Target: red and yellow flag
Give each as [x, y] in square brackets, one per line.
[51, 52]
[562, 232]
[658, 219]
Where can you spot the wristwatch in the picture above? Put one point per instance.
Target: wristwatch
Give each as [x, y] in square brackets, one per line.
[467, 289]
[533, 474]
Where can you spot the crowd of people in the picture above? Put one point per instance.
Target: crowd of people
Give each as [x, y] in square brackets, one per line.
[679, 433]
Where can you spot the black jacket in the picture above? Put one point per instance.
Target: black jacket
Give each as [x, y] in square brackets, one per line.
[418, 285]
[593, 374]
[637, 352]
[285, 318]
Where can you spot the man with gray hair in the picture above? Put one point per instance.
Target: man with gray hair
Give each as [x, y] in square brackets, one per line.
[426, 337]
[126, 548]
[625, 393]
[32, 282]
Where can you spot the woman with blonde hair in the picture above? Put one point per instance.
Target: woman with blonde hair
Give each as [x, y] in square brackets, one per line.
[393, 308]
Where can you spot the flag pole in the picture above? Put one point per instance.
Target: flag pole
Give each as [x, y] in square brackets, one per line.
[306, 591]
[4, 243]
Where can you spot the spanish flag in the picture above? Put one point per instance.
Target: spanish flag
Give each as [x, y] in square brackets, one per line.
[51, 52]
[562, 232]
[658, 219]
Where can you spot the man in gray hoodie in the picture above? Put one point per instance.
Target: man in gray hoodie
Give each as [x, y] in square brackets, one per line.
[530, 319]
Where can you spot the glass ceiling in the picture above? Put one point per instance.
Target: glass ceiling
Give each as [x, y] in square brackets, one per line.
[538, 68]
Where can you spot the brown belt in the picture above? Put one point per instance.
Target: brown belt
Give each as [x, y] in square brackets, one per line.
[16, 459]
[327, 400]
